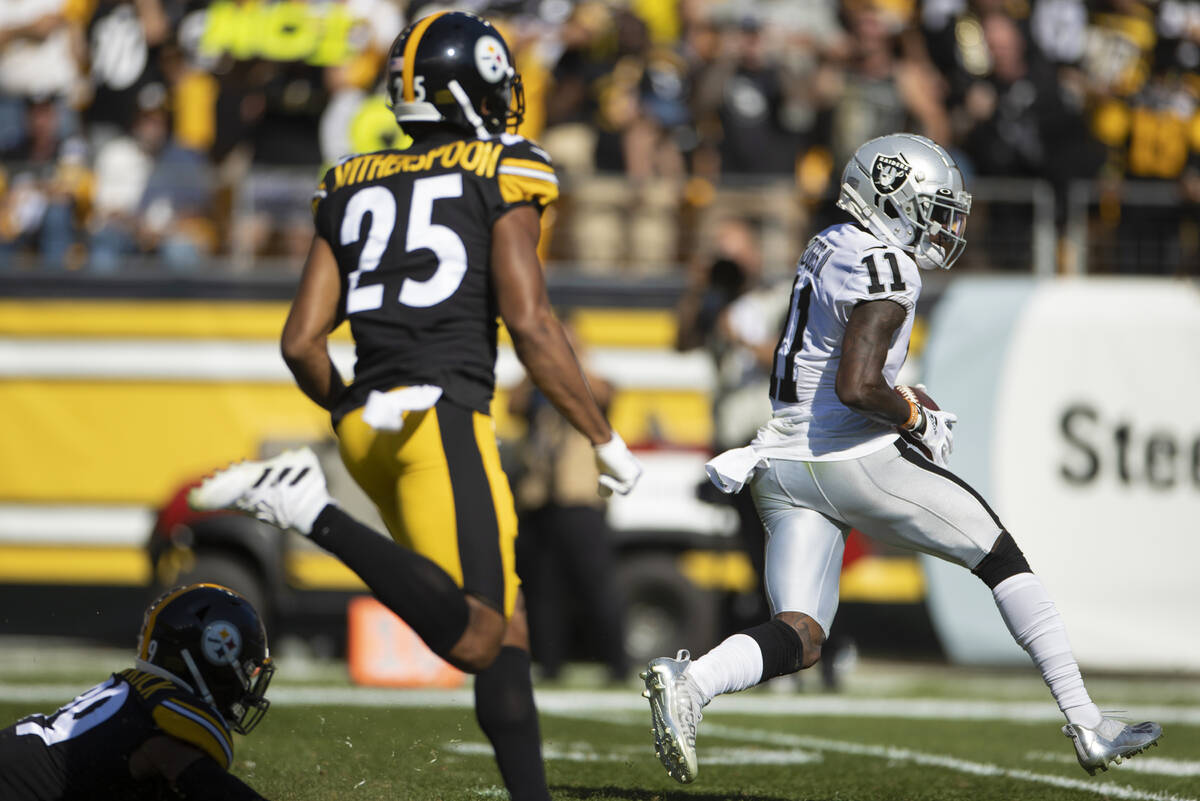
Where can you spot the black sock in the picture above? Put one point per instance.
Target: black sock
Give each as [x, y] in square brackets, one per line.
[415, 588]
[782, 650]
[506, 713]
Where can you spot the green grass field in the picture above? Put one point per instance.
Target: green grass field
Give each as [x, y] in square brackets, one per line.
[895, 732]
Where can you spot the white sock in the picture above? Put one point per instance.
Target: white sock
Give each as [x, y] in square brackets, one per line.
[733, 665]
[1035, 624]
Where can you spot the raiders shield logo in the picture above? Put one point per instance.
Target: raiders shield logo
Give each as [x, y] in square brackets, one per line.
[889, 172]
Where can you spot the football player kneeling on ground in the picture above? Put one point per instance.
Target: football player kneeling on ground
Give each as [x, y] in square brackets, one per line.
[162, 728]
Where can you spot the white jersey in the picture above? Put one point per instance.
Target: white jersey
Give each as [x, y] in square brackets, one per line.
[842, 266]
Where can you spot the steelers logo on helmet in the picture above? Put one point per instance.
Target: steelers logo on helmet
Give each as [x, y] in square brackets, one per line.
[221, 643]
[889, 172]
[491, 59]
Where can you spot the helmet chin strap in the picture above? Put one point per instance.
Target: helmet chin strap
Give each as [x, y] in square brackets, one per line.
[201, 687]
[464, 102]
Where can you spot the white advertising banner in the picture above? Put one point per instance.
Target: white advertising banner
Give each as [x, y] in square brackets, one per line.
[1079, 407]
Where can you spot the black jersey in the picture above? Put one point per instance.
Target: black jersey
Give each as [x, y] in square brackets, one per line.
[412, 233]
[82, 751]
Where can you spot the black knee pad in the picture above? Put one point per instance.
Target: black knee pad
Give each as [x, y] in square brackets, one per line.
[782, 650]
[1004, 561]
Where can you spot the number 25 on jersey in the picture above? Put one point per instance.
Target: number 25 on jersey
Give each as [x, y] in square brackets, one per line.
[421, 233]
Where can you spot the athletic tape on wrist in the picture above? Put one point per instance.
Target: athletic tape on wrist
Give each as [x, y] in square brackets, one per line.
[914, 416]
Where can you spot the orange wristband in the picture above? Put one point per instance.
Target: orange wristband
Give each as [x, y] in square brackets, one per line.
[914, 416]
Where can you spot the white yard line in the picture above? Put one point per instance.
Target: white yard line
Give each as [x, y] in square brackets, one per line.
[894, 754]
[1160, 766]
[582, 752]
[612, 702]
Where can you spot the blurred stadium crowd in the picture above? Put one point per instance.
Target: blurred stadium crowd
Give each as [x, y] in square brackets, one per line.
[186, 135]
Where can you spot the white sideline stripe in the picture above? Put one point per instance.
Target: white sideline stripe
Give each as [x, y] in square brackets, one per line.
[903, 708]
[629, 705]
[259, 361]
[894, 754]
[1141, 764]
[75, 525]
[552, 751]
[724, 756]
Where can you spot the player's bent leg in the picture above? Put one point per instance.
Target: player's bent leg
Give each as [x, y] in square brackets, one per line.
[1034, 622]
[481, 639]
[439, 486]
[803, 566]
[414, 587]
[505, 709]
[907, 497]
[289, 491]
[678, 689]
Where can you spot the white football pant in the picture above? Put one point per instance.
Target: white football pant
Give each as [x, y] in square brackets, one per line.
[894, 495]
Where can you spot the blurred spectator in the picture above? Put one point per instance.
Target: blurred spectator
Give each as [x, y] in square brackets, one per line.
[68, 200]
[726, 310]
[1152, 141]
[881, 84]
[22, 208]
[43, 131]
[1146, 111]
[125, 40]
[588, 42]
[565, 552]
[595, 103]
[745, 95]
[37, 82]
[38, 54]
[152, 195]
[731, 271]
[1016, 119]
[44, 200]
[356, 118]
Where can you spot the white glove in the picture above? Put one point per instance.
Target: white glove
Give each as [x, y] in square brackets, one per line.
[619, 468]
[937, 435]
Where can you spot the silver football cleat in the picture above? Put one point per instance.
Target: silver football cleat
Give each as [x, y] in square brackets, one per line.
[675, 704]
[1112, 741]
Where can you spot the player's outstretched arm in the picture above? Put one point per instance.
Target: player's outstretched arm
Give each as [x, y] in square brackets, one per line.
[313, 316]
[191, 773]
[542, 345]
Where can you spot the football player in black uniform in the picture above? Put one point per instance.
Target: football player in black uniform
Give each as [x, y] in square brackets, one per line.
[161, 729]
[420, 250]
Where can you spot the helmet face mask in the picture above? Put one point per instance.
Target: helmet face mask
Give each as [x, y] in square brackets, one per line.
[210, 639]
[908, 192]
[454, 67]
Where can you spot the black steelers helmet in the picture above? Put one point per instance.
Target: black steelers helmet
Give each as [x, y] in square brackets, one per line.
[454, 67]
[210, 638]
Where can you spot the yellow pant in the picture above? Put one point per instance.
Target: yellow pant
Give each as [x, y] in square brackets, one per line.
[440, 489]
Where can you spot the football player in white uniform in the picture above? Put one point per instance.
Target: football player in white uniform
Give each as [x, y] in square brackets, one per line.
[831, 459]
